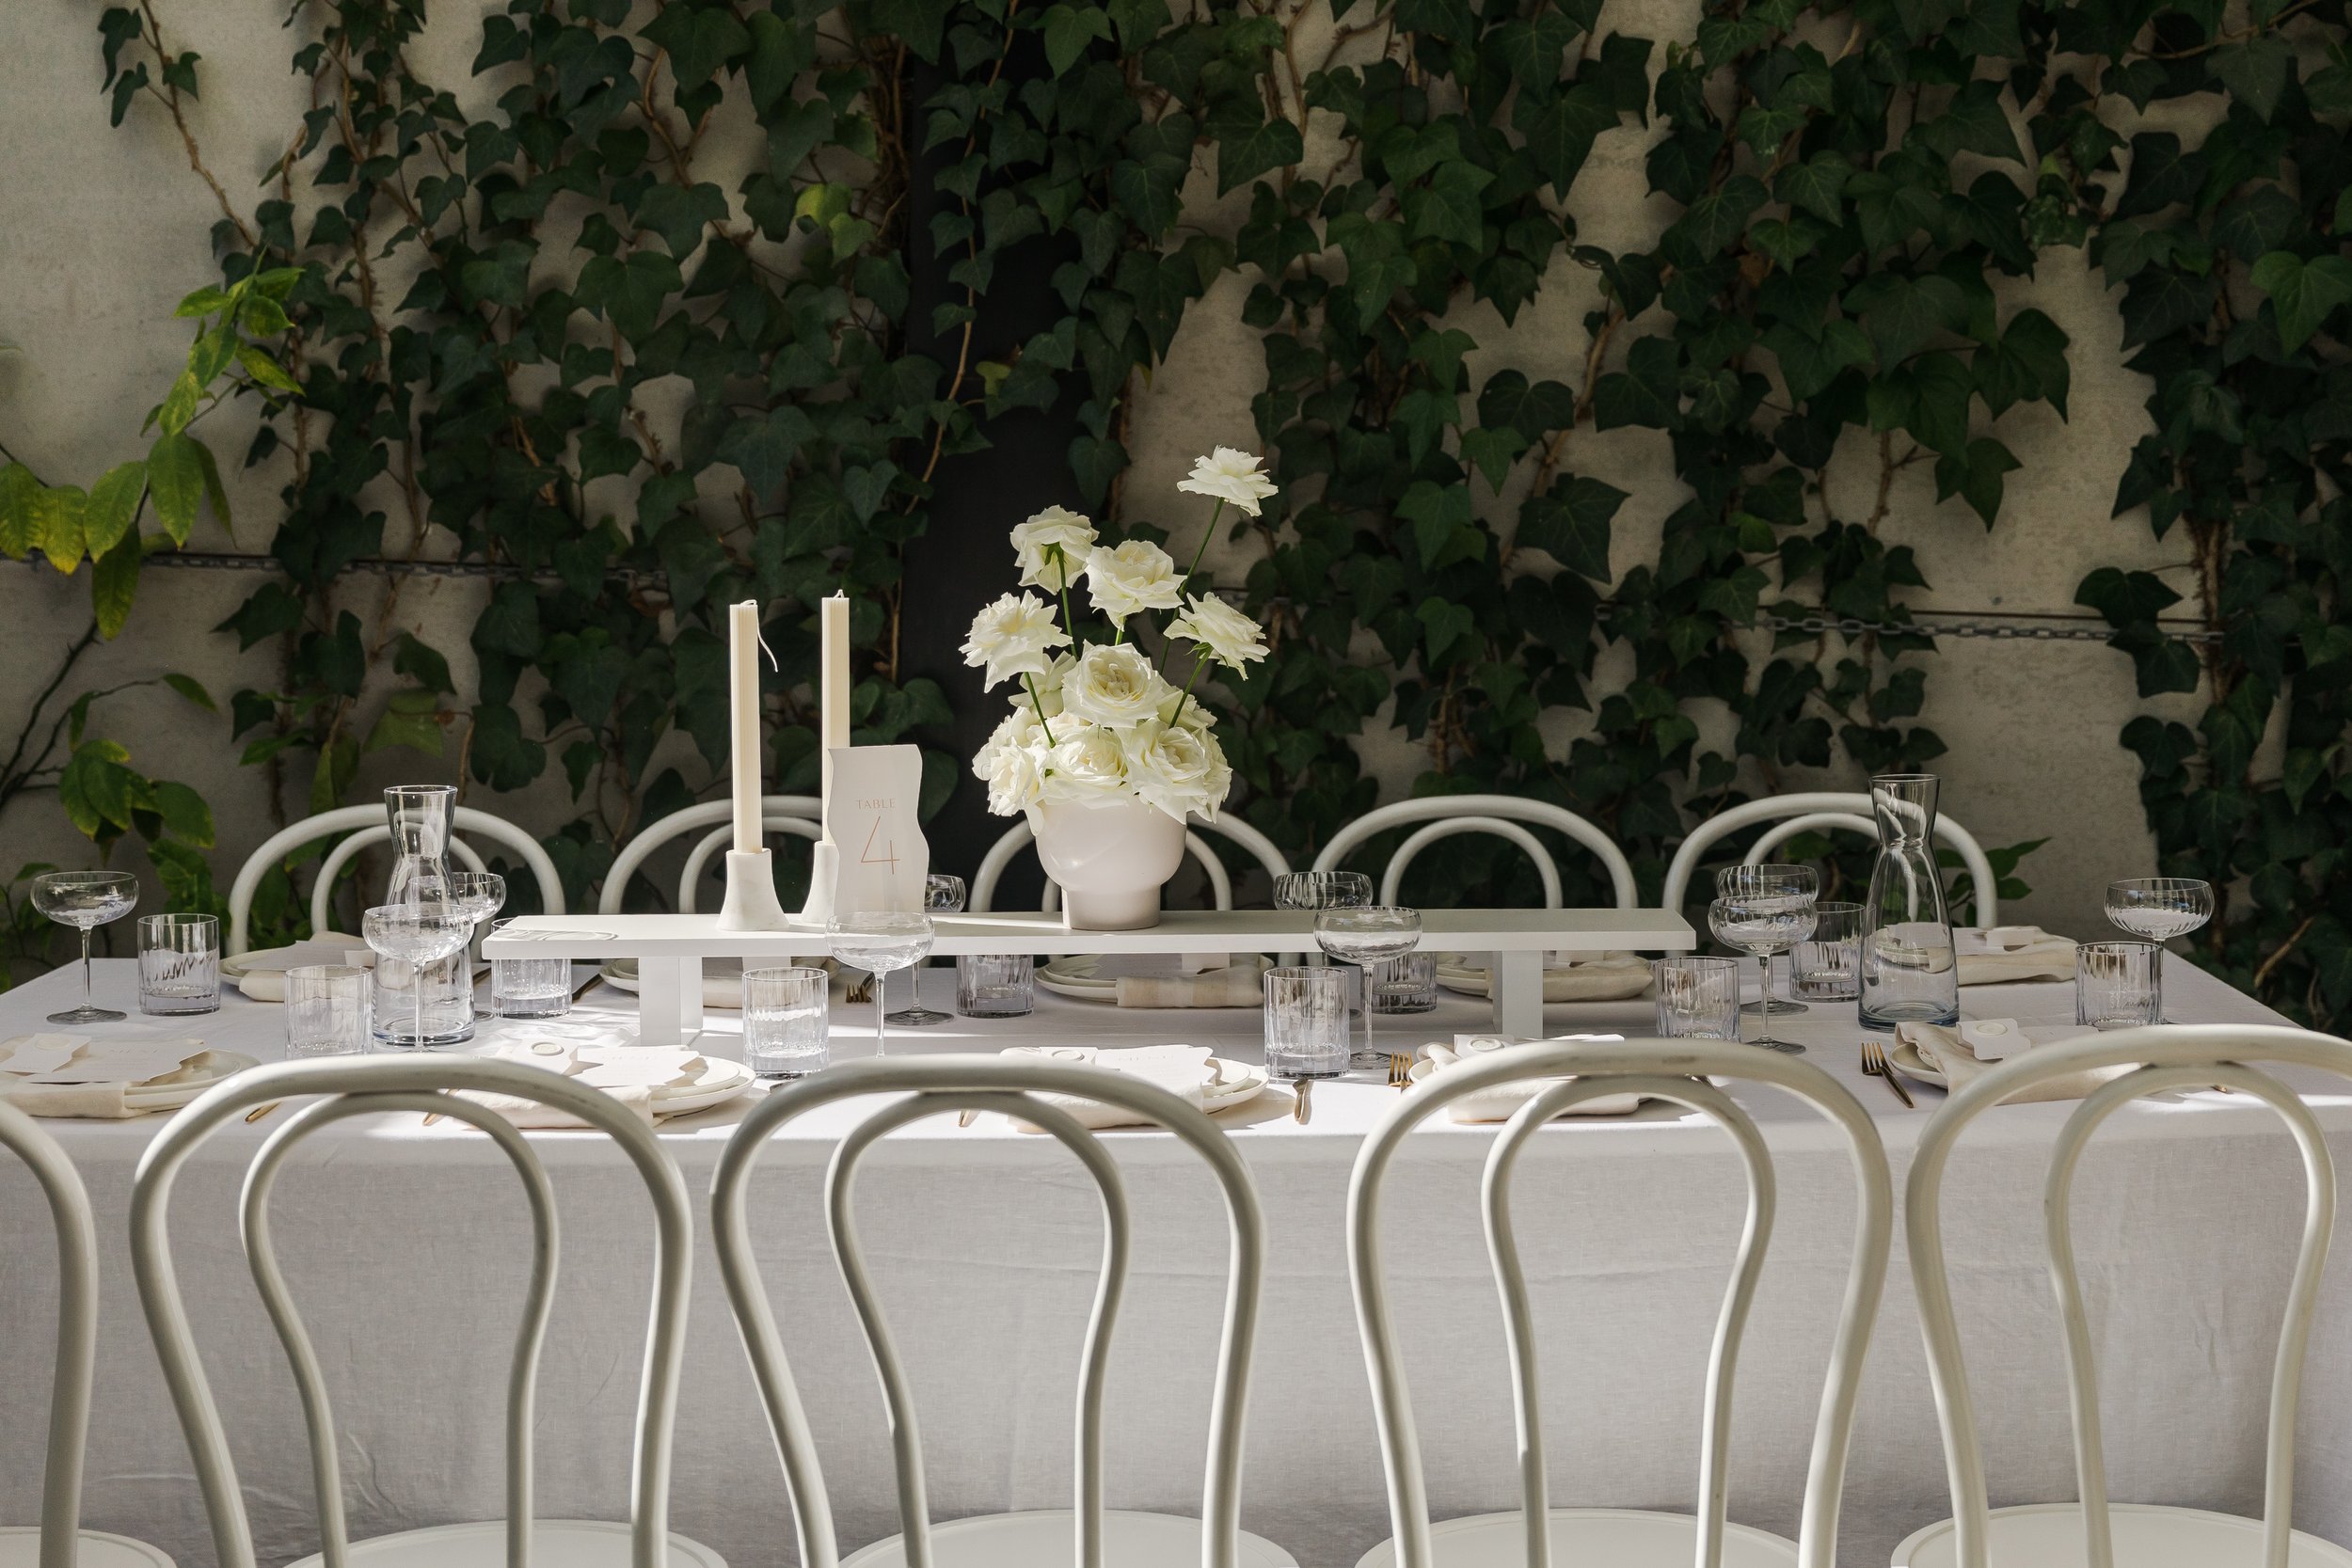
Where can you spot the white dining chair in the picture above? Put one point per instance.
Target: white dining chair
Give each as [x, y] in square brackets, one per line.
[720, 837]
[1500, 815]
[1823, 810]
[58, 1541]
[709, 814]
[1019, 837]
[358, 827]
[1087, 1535]
[2093, 1532]
[1535, 1534]
[432, 1084]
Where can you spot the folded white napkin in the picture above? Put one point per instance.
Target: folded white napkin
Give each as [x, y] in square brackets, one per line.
[1216, 988]
[72, 1075]
[629, 1074]
[1502, 1103]
[2011, 953]
[1571, 976]
[1953, 1053]
[1183, 1071]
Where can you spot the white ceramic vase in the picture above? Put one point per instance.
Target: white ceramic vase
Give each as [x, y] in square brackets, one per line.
[1110, 858]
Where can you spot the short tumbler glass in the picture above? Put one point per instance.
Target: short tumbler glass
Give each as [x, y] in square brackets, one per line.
[1827, 965]
[330, 1010]
[1697, 998]
[529, 988]
[1405, 985]
[787, 1021]
[1306, 1021]
[2119, 985]
[178, 963]
[996, 985]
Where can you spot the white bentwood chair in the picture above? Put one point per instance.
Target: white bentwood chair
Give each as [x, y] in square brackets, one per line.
[429, 1084]
[1821, 810]
[364, 826]
[1087, 1535]
[2093, 1533]
[799, 815]
[1536, 1535]
[1498, 814]
[58, 1541]
[1019, 837]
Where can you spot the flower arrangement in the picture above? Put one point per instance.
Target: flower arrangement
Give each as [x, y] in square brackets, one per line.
[1095, 718]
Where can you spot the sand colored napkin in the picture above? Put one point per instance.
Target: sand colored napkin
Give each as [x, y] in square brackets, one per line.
[71, 1076]
[1183, 1071]
[1502, 1101]
[2012, 953]
[1949, 1051]
[629, 1074]
[263, 977]
[1216, 988]
[1574, 976]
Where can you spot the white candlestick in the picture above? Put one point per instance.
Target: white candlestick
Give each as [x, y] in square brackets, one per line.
[834, 673]
[743, 665]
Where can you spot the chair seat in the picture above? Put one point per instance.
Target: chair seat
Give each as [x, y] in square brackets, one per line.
[1621, 1538]
[554, 1544]
[1042, 1539]
[20, 1548]
[2050, 1535]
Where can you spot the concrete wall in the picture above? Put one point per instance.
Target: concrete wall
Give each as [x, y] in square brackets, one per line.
[100, 232]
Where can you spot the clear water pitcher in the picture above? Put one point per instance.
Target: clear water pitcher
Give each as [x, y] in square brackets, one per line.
[1910, 972]
[422, 818]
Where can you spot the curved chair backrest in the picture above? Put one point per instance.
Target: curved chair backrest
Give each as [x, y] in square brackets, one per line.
[2170, 1056]
[77, 1331]
[1824, 809]
[654, 834]
[1481, 814]
[929, 1085]
[720, 837]
[365, 825]
[428, 1084]
[1676, 1070]
[1018, 837]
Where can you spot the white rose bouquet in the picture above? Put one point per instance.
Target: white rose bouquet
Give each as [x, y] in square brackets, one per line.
[1096, 717]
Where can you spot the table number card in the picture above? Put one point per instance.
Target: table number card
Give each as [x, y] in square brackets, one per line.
[870, 817]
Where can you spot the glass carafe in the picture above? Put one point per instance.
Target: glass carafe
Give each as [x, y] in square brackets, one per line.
[422, 817]
[1910, 973]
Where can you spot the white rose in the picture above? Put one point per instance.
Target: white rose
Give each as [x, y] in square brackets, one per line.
[1015, 635]
[1114, 685]
[1175, 768]
[1052, 547]
[1228, 475]
[1085, 766]
[1012, 773]
[1231, 638]
[1046, 687]
[1137, 575]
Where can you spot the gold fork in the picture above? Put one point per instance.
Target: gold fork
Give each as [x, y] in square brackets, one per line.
[1400, 1072]
[1301, 1109]
[1874, 1063]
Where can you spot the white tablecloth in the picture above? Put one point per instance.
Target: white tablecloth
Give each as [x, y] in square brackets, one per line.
[407, 1249]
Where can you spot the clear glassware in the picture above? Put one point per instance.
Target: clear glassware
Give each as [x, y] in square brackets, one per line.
[1910, 972]
[1801, 883]
[1827, 965]
[416, 935]
[85, 900]
[530, 988]
[422, 818]
[1322, 890]
[482, 892]
[877, 942]
[1764, 927]
[996, 985]
[329, 1010]
[2119, 985]
[787, 1021]
[2159, 908]
[1370, 935]
[1306, 1021]
[178, 963]
[1697, 998]
[942, 894]
[1405, 985]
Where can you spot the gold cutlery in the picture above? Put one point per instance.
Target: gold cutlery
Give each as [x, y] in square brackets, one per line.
[1300, 1107]
[261, 1111]
[589, 984]
[1874, 1062]
[1400, 1073]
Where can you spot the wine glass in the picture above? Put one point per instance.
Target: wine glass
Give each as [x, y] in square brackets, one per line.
[2157, 908]
[1322, 890]
[1763, 926]
[483, 891]
[85, 900]
[877, 942]
[1366, 935]
[942, 894]
[1800, 885]
[418, 935]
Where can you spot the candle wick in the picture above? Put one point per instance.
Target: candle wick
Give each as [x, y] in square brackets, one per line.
[760, 637]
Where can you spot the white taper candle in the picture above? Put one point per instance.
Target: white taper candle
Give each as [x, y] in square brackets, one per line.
[834, 671]
[743, 665]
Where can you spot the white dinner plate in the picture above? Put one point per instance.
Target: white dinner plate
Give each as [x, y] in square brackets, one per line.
[279, 959]
[720, 1082]
[1094, 976]
[1614, 979]
[175, 1089]
[1234, 1082]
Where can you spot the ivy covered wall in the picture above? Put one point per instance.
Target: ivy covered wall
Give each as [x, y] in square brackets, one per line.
[1588, 342]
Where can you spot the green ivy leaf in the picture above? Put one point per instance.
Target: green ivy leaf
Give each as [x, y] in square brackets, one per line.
[2303, 294]
[2255, 72]
[1902, 313]
[1570, 522]
[113, 582]
[98, 790]
[1815, 186]
[1976, 476]
[58, 520]
[114, 504]
[1259, 148]
[698, 39]
[186, 817]
[1068, 31]
[20, 531]
[175, 478]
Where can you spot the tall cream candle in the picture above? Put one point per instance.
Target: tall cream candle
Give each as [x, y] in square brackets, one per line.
[743, 667]
[834, 671]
